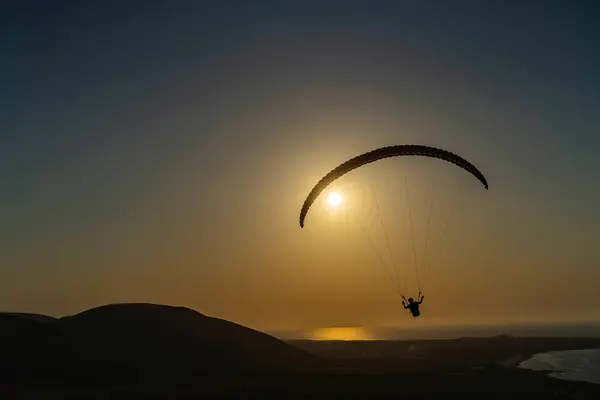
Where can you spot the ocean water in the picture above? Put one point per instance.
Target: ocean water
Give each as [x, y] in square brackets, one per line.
[573, 365]
[442, 332]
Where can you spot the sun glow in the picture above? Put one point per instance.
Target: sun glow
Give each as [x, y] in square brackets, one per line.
[334, 199]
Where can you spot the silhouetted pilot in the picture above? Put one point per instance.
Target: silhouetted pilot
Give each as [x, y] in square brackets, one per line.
[412, 305]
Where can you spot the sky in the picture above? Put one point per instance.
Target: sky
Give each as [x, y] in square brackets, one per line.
[161, 151]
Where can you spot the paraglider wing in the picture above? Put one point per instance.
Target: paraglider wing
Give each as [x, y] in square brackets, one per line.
[386, 152]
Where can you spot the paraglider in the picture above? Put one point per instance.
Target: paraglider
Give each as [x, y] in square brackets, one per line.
[379, 154]
[412, 305]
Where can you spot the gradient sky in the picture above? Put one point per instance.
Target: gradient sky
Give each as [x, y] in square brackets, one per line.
[160, 152]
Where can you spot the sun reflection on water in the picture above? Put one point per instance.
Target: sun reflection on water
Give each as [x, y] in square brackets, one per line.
[340, 333]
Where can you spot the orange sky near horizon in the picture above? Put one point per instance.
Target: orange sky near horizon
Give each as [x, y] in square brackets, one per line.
[254, 265]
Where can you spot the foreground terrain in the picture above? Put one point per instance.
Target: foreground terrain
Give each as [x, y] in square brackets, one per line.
[159, 352]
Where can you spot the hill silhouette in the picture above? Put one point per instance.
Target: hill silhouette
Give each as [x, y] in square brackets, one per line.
[28, 344]
[29, 316]
[140, 340]
[150, 351]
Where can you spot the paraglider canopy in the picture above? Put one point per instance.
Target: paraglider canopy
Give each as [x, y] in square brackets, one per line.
[381, 153]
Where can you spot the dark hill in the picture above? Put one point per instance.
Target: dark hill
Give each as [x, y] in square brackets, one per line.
[28, 344]
[142, 340]
[163, 339]
[29, 316]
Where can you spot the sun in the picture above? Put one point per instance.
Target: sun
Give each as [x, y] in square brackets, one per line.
[334, 199]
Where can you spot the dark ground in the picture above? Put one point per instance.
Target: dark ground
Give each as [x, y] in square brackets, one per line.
[427, 369]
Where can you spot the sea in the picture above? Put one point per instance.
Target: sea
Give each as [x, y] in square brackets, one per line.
[576, 365]
[590, 330]
[573, 365]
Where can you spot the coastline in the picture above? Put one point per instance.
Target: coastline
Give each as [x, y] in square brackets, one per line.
[564, 369]
[515, 360]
